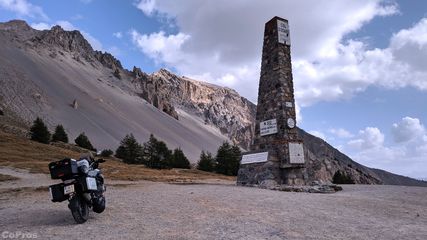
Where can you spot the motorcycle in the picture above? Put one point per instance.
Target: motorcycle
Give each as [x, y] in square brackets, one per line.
[82, 185]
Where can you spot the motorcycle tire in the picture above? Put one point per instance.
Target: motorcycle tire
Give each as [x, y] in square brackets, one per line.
[79, 209]
[98, 205]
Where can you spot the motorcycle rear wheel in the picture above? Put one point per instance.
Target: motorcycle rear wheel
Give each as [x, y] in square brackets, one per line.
[79, 209]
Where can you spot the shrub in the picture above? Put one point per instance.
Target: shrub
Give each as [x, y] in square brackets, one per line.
[83, 141]
[107, 153]
[228, 159]
[60, 135]
[129, 150]
[206, 162]
[39, 132]
[180, 160]
[156, 154]
[342, 178]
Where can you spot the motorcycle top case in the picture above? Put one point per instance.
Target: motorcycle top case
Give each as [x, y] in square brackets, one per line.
[57, 192]
[63, 169]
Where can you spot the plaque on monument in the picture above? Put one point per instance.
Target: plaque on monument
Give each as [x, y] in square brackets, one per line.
[296, 153]
[254, 158]
[283, 31]
[268, 127]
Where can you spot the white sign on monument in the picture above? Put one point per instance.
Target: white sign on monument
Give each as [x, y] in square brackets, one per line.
[254, 158]
[283, 31]
[268, 127]
[296, 152]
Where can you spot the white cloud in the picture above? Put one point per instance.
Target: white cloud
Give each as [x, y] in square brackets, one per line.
[41, 26]
[23, 8]
[147, 6]
[66, 25]
[341, 133]
[118, 35]
[370, 137]
[160, 47]
[95, 43]
[221, 43]
[407, 157]
[409, 46]
[115, 51]
[407, 129]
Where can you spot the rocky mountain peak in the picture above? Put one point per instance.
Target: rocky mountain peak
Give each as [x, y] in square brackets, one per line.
[70, 41]
[57, 29]
[19, 29]
[221, 107]
[108, 60]
[165, 74]
[15, 25]
[138, 73]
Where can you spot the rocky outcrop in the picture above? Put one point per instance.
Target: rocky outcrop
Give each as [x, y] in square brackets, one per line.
[18, 30]
[70, 41]
[75, 105]
[137, 73]
[222, 107]
[108, 60]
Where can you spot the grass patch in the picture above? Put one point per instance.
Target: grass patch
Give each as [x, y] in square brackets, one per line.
[18, 152]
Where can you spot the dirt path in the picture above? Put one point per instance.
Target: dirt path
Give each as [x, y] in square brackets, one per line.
[148, 210]
[25, 179]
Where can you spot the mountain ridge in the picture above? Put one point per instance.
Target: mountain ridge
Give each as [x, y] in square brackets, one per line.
[113, 101]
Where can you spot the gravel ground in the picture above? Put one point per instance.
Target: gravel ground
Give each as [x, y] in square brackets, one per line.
[148, 210]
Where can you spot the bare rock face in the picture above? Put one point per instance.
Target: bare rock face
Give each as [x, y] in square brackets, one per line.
[219, 106]
[155, 91]
[108, 60]
[70, 41]
[137, 73]
[17, 29]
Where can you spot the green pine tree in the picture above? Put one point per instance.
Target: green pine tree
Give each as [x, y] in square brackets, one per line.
[156, 154]
[180, 160]
[228, 159]
[107, 153]
[206, 162]
[129, 150]
[60, 135]
[39, 132]
[83, 141]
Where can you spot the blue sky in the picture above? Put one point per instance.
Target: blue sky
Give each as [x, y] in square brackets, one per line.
[360, 67]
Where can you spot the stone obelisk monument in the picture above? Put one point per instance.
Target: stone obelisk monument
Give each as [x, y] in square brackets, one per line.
[277, 152]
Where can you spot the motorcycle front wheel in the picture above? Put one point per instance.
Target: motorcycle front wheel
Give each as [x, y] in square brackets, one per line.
[79, 209]
[98, 204]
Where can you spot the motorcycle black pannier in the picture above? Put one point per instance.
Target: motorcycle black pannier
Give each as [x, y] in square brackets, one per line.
[57, 192]
[63, 169]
